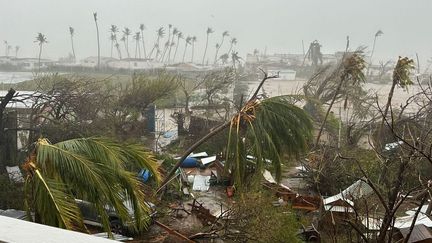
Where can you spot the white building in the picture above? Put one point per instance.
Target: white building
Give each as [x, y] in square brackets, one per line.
[134, 64]
[93, 61]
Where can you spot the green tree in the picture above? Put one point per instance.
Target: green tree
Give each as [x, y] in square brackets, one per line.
[94, 169]
[263, 128]
[208, 32]
[401, 77]
[40, 40]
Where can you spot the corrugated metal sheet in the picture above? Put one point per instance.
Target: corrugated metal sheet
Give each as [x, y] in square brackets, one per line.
[339, 209]
[201, 183]
[16, 230]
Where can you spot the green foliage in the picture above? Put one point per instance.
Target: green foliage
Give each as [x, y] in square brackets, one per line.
[145, 90]
[266, 130]
[11, 194]
[257, 220]
[93, 169]
[402, 72]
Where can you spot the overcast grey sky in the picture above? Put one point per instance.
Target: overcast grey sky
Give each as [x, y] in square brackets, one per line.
[279, 25]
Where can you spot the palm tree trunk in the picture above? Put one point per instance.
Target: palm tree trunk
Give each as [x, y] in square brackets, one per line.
[205, 50]
[175, 52]
[127, 46]
[73, 49]
[216, 54]
[370, 58]
[98, 43]
[170, 47]
[229, 50]
[136, 49]
[328, 111]
[112, 47]
[193, 50]
[143, 44]
[184, 52]
[39, 59]
[388, 104]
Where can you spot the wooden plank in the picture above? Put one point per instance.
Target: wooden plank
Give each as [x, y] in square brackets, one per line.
[173, 232]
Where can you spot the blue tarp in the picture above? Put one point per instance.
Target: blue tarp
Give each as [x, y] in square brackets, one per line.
[190, 163]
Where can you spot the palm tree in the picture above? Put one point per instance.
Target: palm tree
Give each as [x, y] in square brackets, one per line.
[232, 42]
[262, 128]
[92, 169]
[123, 39]
[194, 39]
[142, 28]
[160, 34]
[217, 48]
[16, 51]
[187, 42]
[9, 49]
[179, 36]
[174, 34]
[97, 34]
[72, 32]
[167, 45]
[117, 46]
[401, 78]
[224, 34]
[113, 39]
[127, 32]
[224, 58]
[378, 33]
[6, 47]
[235, 58]
[40, 40]
[137, 38]
[351, 73]
[209, 31]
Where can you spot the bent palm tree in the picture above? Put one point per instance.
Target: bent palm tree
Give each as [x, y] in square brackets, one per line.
[114, 30]
[16, 51]
[174, 34]
[224, 34]
[94, 169]
[209, 31]
[179, 36]
[142, 28]
[264, 128]
[40, 40]
[127, 32]
[160, 34]
[187, 42]
[232, 42]
[72, 32]
[97, 35]
[194, 39]
[137, 38]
